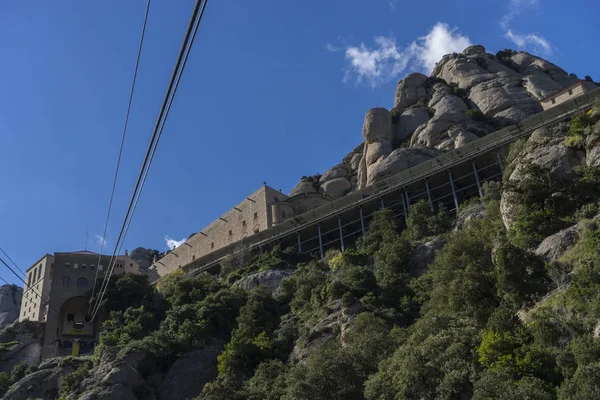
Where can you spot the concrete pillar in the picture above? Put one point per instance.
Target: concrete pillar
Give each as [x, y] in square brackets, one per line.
[299, 242]
[404, 206]
[341, 233]
[453, 190]
[477, 179]
[381, 202]
[362, 221]
[429, 195]
[320, 241]
[500, 162]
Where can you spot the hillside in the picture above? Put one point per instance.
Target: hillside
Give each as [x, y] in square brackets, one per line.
[497, 302]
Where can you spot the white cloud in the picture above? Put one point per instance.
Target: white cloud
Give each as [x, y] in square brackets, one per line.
[537, 43]
[386, 61]
[515, 8]
[172, 243]
[100, 240]
[531, 41]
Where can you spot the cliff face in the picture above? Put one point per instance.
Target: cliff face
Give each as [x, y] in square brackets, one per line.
[468, 95]
[10, 304]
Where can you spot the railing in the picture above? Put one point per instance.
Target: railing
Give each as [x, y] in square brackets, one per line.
[488, 143]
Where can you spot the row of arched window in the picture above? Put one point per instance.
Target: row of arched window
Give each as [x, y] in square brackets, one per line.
[66, 281]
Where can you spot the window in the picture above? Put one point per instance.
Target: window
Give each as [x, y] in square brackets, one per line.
[82, 282]
[70, 317]
[244, 224]
[67, 265]
[65, 281]
[256, 230]
[29, 279]
[570, 92]
[39, 272]
[255, 215]
[77, 325]
[92, 267]
[193, 257]
[131, 265]
[83, 266]
[75, 265]
[283, 214]
[212, 245]
[553, 101]
[230, 233]
[99, 267]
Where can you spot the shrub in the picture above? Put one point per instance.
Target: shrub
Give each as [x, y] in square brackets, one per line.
[477, 115]
[395, 115]
[70, 382]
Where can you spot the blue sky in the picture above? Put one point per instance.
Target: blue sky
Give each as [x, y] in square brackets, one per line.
[273, 90]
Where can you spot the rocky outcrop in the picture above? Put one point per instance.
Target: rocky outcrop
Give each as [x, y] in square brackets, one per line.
[143, 257]
[10, 304]
[304, 186]
[21, 341]
[592, 145]
[398, 161]
[335, 188]
[545, 148]
[270, 279]
[553, 247]
[377, 132]
[423, 255]
[201, 364]
[469, 213]
[410, 90]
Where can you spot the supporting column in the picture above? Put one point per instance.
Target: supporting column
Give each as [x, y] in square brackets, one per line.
[320, 241]
[362, 221]
[341, 233]
[381, 202]
[500, 162]
[429, 195]
[453, 190]
[404, 206]
[477, 179]
[299, 242]
[407, 200]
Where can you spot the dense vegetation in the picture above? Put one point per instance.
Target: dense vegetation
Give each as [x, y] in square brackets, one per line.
[488, 319]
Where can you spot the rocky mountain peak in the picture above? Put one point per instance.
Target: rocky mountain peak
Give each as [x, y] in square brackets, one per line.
[467, 96]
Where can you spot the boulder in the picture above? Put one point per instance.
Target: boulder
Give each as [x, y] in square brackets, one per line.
[409, 121]
[540, 86]
[336, 188]
[474, 50]
[423, 255]
[377, 125]
[338, 171]
[378, 150]
[398, 161]
[304, 186]
[270, 279]
[10, 304]
[143, 257]
[469, 213]
[410, 90]
[527, 64]
[553, 247]
[188, 375]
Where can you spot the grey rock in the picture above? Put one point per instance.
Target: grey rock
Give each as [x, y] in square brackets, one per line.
[10, 304]
[474, 211]
[553, 247]
[29, 336]
[410, 90]
[188, 375]
[592, 158]
[409, 121]
[304, 186]
[336, 188]
[596, 333]
[398, 161]
[423, 255]
[540, 86]
[531, 65]
[377, 125]
[270, 279]
[474, 50]
[338, 171]
[143, 256]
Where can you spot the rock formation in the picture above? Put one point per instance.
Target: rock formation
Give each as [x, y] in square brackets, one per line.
[21, 341]
[10, 304]
[468, 95]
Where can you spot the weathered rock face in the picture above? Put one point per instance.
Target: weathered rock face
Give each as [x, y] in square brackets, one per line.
[304, 186]
[553, 247]
[27, 338]
[201, 364]
[10, 304]
[143, 256]
[468, 214]
[468, 96]
[545, 149]
[592, 143]
[270, 279]
[410, 90]
[398, 161]
[336, 188]
[423, 255]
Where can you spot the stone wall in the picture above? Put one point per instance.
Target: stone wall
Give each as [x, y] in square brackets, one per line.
[38, 282]
[250, 216]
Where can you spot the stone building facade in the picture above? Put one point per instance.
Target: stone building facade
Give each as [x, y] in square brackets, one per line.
[65, 281]
[567, 93]
[251, 216]
[296, 205]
